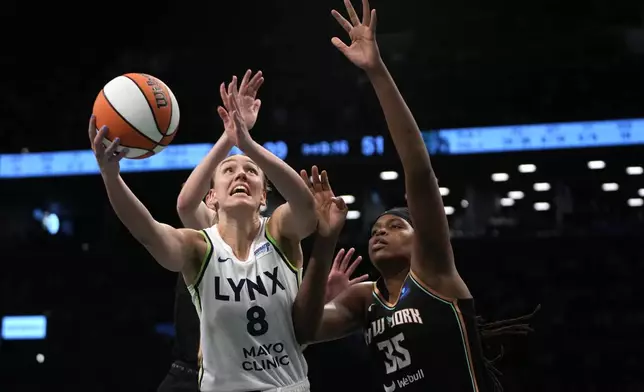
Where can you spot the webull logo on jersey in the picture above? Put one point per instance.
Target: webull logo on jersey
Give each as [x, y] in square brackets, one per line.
[404, 381]
[266, 284]
[399, 317]
[265, 357]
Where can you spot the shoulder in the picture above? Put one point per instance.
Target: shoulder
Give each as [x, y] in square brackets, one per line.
[290, 249]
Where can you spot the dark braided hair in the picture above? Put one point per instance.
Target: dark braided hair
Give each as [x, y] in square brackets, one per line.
[489, 331]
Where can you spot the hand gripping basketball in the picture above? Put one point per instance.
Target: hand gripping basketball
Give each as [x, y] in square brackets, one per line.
[107, 157]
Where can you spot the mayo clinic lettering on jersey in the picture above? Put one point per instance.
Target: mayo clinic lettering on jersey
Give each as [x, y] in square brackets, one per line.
[258, 285]
[399, 317]
[265, 357]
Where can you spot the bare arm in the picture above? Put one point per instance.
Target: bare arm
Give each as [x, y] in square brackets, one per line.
[170, 247]
[192, 210]
[309, 303]
[345, 314]
[295, 219]
[432, 249]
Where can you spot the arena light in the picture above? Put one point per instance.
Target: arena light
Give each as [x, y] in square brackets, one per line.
[500, 177]
[542, 206]
[507, 202]
[444, 191]
[527, 168]
[348, 199]
[635, 202]
[541, 186]
[641, 192]
[610, 186]
[596, 165]
[516, 195]
[634, 170]
[353, 214]
[388, 175]
[449, 210]
[40, 358]
[465, 203]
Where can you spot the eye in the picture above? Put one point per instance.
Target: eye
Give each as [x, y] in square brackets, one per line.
[252, 170]
[397, 226]
[228, 169]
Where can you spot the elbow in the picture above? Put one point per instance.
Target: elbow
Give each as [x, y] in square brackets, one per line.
[183, 204]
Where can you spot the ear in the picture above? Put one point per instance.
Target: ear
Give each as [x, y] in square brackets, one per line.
[211, 200]
[263, 199]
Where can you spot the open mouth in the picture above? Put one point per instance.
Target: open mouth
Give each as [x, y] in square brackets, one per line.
[240, 189]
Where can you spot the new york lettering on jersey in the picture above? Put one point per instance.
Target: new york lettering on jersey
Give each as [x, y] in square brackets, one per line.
[424, 342]
[248, 340]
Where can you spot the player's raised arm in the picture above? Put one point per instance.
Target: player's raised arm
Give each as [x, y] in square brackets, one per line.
[345, 314]
[433, 251]
[331, 215]
[296, 219]
[192, 211]
[172, 248]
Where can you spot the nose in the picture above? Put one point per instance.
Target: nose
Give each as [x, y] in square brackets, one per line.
[240, 175]
[381, 232]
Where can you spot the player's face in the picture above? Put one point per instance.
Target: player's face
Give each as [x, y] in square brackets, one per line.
[390, 241]
[239, 182]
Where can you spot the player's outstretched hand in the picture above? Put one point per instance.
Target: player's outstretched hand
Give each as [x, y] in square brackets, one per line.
[248, 103]
[107, 157]
[340, 275]
[331, 210]
[363, 50]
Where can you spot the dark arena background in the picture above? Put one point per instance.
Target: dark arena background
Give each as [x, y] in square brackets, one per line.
[533, 112]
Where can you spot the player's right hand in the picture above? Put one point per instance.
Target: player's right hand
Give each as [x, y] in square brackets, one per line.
[107, 157]
[247, 101]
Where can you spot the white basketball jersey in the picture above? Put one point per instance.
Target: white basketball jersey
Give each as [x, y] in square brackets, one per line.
[247, 335]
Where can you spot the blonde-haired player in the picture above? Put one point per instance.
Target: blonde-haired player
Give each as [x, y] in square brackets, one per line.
[244, 271]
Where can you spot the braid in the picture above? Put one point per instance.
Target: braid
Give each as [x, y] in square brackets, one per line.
[488, 331]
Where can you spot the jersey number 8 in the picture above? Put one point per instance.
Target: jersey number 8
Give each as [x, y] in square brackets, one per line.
[397, 357]
[257, 324]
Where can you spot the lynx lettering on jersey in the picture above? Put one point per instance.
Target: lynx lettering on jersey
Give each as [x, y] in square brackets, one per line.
[260, 285]
[265, 357]
[399, 317]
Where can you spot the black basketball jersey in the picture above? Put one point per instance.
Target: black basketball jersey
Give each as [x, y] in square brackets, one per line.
[186, 325]
[425, 342]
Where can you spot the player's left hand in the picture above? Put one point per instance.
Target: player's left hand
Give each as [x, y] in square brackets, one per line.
[340, 275]
[363, 51]
[331, 210]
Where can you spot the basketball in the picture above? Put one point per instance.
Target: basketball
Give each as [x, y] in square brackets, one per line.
[139, 109]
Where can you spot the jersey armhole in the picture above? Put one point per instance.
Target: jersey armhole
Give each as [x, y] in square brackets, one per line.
[428, 290]
[206, 259]
[279, 250]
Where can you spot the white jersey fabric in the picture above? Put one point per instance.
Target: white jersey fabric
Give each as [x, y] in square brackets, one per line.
[247, 335]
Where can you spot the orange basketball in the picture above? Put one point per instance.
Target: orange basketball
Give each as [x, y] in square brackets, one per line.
[140, 110]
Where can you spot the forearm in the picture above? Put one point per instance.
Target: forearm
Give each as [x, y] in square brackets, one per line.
[400, 121]
[134, 215]
[286, 180]
[309, 303]
[198, 183]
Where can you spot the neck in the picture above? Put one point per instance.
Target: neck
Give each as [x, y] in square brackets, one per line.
[394, 283]
[239, 232]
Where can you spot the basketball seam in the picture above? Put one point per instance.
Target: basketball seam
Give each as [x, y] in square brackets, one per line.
[156, 121]
[127, 122]
[126, 146]
[171, 109]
